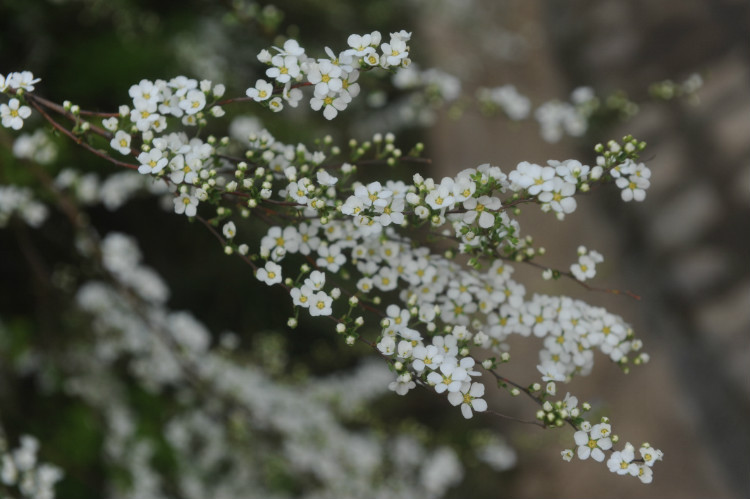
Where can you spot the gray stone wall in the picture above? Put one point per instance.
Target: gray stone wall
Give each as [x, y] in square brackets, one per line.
[685, 250]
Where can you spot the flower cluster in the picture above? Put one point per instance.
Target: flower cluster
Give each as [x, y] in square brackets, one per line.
[586, 266]
[135, 326]
[334, 78]
[440, 321]
[14, 112]
[593, 441]
[514, 104]
[20, 200]
[20, 469]
[631, 177]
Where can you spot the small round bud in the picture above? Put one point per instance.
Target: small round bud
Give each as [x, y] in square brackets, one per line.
[228, 250]
[340, 328]
[292, 322]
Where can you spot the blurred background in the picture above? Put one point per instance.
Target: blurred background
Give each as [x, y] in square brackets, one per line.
[683, 251]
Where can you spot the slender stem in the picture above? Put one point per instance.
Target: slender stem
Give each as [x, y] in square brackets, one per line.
[78, 140]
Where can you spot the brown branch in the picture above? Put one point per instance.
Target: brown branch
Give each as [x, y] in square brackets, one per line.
[78, 140]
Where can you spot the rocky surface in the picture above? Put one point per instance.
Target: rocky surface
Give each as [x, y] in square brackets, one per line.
[685, 249]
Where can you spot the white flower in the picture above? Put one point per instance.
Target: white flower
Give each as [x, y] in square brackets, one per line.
[144, 91]
[194, 101]
[393, 52]
[361, 44]
[121, 142]
[320, 304]
[14, 113]
[387, 345]
[270, 274]
[560, 197]
[584, 269]
[144, 114]
[349, 85]
[278, 242]
[633, 187]
[650, 455]
[301, 296]
[442, 195]
[110, 124]
[316, 281]
[645, 474]
[325, 178]
[24, 80]
[332, 103]
[403, 384]
[426, 357]
[325, 76]
[292, 96]
[592, 444]
[550, 373]
[470, 398]
[229, 230]
[482, 208]
[373, 194]
[187, 204]
[262, 91]
[284, 68]
[276, 104]
[450, 378]
[292, 47]
[621, 462]
[152, 162]
[330, 257]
